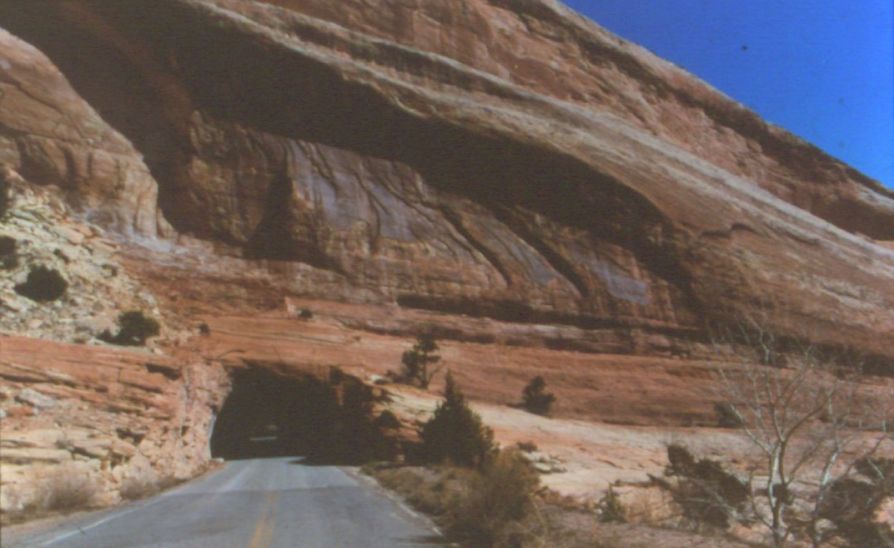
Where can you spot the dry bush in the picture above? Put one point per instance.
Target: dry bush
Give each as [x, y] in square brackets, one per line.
[493, 506]
[428, 490]
[64, 489]
[706, 492]
[135, 488]
[491, 510]
[611, 510]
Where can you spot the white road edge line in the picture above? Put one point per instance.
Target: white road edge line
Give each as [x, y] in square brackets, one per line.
[117, 515]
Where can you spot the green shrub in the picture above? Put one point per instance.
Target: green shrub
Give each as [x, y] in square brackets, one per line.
[134, 328]
[497, 499]
[305, 314]
[43, 285]
[610, 508]
[455, 433]
[535, 398]
[418, 363]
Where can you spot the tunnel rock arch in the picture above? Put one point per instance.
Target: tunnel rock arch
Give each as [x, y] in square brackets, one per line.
[328, 418]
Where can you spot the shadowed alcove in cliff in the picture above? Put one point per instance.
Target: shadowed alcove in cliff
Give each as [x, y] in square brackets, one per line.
[324, 420]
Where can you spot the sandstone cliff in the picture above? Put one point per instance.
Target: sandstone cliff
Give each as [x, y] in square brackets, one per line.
[496, 158]
[502, 170]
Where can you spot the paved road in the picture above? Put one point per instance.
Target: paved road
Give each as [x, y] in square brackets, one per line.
[277, 502]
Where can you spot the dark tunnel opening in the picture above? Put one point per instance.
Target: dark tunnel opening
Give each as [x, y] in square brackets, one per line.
[326, 421]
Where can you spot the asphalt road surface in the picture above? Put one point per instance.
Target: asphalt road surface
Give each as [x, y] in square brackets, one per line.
[276, 502]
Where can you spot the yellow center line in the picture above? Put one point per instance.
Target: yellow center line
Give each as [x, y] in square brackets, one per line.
[264, 529]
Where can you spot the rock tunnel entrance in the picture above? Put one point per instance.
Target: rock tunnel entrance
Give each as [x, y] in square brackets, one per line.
[328, 420]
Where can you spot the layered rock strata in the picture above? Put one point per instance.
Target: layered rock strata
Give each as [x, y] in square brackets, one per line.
[502, 171]
[368, 144]
[116, 417]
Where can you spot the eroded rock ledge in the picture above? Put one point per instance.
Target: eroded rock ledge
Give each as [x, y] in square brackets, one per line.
[364, 145]
[501, 170]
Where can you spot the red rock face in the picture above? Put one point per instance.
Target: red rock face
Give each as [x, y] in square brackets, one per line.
[52, 136]
[126, 416]
[498, 158]
[544, 47]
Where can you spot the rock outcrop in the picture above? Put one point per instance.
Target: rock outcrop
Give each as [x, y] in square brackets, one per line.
[504, 172]
[50, 134]
[117, 416]
[41, 235]
[410, 152]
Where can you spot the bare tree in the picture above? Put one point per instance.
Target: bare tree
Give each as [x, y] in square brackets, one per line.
[809, 413]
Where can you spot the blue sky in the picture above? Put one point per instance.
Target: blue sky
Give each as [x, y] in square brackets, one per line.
[823, 69]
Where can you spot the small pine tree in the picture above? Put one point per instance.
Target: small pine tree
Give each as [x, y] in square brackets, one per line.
[455, 433]
[535, 398]
[419, 362]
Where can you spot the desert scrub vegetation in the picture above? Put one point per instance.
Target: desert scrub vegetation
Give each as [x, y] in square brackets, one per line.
[491, 508]
[455, 434]
[523, 516]
[43, 284]
[134, 328]
[704, 490]
[535, 398]
[66, 489]
[141, 487]
[56, 490]
[480, 494]
[813, 419]
[611, 510]
[494, 506]
[135, 488]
